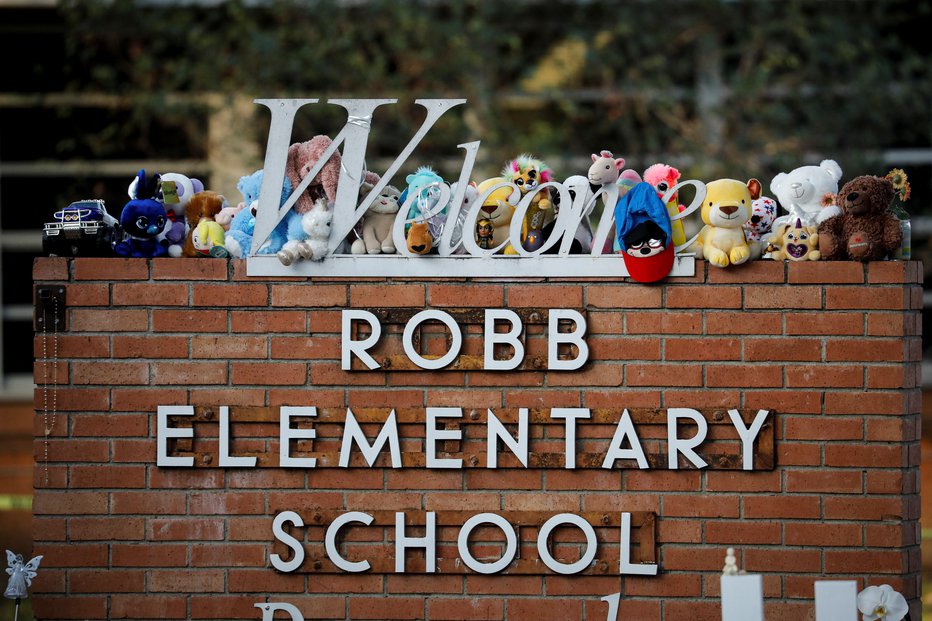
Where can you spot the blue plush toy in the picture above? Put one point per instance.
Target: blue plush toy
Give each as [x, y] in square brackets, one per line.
[425, 185]
[643, 234]
[141, 222]
[239, 238]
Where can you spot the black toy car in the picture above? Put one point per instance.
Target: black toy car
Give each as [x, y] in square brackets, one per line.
[83, 228]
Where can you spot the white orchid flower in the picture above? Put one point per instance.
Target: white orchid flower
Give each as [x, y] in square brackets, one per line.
[882, 604]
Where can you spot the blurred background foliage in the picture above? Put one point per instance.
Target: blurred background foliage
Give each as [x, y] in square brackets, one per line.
[737, 88]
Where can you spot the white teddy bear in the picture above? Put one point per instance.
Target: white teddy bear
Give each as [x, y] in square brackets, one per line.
[316, 223]
[800, 192]
[377, 224]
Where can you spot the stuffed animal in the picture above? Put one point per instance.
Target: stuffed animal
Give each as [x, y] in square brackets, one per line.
[528, 174]
[176, 191]
[582, 238]
[605, 169]
[316, 223]
[758, 229]
[226, 215]
[726, 208]
[795, 243]
[238, 240]
[644, 234]
[377, 224]
[424, 184]
[302, 157]
[800, 192]
[209, 239]
[664, 177]
[143, 219]
[419, 238]
[498, 210]
[469, 199]
[866, 230]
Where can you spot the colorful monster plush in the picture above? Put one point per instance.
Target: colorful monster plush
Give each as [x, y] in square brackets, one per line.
[142, 220]
[528, 174]
[206, 237]
[377, 224]
[664, 177]
[726, 208]
[866, 230]
[424, 185]
[238, 240]
[800, 192]
[795, 243]
[644, 234]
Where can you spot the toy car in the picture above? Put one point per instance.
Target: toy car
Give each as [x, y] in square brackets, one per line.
[83, 228]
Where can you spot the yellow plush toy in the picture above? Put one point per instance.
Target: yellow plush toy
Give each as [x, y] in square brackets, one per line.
[726, 208]
[497, 210]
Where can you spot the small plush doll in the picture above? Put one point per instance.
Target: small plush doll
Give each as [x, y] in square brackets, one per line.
[605, 169]
[424, 184]
[226, 215]
[377, 224]
[484, 233]
[758, 229]
[206, 237]
[419, 238]
[727, 206]
[317, 224]
[795, 243]
[176, 191]
[644, 234]
[866, 230]
[143, 219]
[528, 173]
[664, 177]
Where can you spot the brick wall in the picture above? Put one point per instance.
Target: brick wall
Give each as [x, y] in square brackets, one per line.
[832, 348]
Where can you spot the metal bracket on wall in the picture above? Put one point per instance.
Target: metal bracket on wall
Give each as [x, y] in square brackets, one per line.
[50, 308]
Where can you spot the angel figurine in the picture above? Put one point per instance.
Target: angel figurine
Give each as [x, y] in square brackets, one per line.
[21, 575]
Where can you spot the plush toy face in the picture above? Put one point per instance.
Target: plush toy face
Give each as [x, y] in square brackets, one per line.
[204, 204]
[805, 186]
[177, 190]
[143, 218]
[645, 240]
[605, 168]
[387, 202]
[662, 177]
[421, 179]
[728, 202]
[420, 240]
[496, 208]
[316, 223]
[798, 240]
[866, 195]
[526, 172]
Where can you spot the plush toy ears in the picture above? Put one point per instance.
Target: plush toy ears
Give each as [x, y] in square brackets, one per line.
[619, 163]
[409, 179]
[595, 157]
[754, 188]
[777, 182]
[832, 168]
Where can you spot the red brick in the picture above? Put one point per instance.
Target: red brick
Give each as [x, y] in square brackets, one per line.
[270, 373]
[110, 581]
[110, 269]
[704, 348]
[893, 298]
[186, 529]
[155, 502]
[743, 533]
[71, 346]
[875, 454]
[110, 373]
[777, 506]
[789, 401]
[70, 607]
[865, 561]
[230, 295]
[692, 558]
[463, 295]
[864, 349]
[186, 580]
[828, 481]
[666, 322]
[308, 295]
[460, 609]
[229, 346]
[189, 373]
[750, 272]
[821, 534]
[723, 506]
[70, 503]
[150, 294]
[265, 581]
[235, 503]
[549, 608]
[87, 294]
[146, 399]
[74, 451]
[782, 560]
[108, 476]
[377, 296]
[743, 481]
[266, 321]
[239, 607]
[148, 606]
[744, 322]
[50, 268]
[150, 346]
[860, 508]
[819, 272]
[234, 555]
[385, 608]
[601, 374]
[703, 296]
[109, 320]
[824, 428]
[624, 296]
[825, 323]
[188, 269]
[663, 375]
[874, 402]
[72, 554]
[824, 376]
[782, 296]
[777, 349]
[742, 375]
[545, 296]
[703, 398]
[892, 377]
[197, 321]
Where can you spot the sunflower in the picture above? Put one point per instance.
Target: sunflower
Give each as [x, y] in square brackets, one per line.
[900, 182]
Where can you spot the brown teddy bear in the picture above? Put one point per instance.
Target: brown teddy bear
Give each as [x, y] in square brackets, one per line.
[866, 230]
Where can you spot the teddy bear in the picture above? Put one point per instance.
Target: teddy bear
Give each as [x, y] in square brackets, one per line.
[800, 192]
[664, 177]
[238, 238]
[727, 206]
[302, 157]
[316, 224]
[795, 243]
[205, 237]
[866, 230]
[377, 224]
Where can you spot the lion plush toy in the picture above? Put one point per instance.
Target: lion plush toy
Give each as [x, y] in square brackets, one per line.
[726, 208]
[795, 243]
[528, 174]
[866, 230]
[498, 209]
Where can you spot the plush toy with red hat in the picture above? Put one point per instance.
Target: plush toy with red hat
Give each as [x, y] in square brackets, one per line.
[644, 234]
